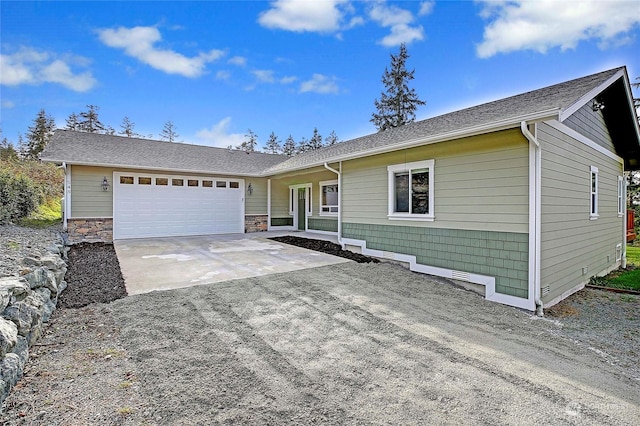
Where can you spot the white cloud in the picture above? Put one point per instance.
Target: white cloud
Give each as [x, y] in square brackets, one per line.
[426, 7]
[238, 60]
[324, 16]
[139, 43]
[223, 75]
[7, 104]
[264, 76]
[399, 20]
[320, 84]
[218, 135]
[288, 79]
[30, 66]
[544, 24]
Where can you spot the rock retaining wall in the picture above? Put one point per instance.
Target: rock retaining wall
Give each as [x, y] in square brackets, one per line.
[27, 302]
[255, 223]
[90, 230]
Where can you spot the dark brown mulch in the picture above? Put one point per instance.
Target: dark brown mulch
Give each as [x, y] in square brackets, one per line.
[325, 247]
[93, 276]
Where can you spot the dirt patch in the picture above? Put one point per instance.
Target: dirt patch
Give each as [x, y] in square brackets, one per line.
[325, 247]
[93, 276]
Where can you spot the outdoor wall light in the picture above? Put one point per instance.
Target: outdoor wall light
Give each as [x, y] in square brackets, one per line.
[250, 188]
[596, 105]
[105, 184]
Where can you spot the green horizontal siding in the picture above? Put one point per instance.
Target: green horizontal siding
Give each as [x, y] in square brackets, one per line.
[503, 255]
[281, 221]
[322, 224]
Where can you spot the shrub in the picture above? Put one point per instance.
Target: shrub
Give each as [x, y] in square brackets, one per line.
[19, 196]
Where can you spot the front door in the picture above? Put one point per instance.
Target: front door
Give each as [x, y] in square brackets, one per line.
[302, 209]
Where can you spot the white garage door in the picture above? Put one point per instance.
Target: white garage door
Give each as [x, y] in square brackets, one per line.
[153, 205]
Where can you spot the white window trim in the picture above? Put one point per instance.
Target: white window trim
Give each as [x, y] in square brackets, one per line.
[293, 195]
[621, 196]
[593, 207]
[407, 167]
[618, 252]
[320, 205]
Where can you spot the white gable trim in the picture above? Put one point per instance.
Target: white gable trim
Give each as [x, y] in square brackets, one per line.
[590, 95]
[585, 140]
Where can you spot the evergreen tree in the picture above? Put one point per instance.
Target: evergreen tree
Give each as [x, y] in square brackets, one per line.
[127, 128]
[316, 140]
[303, 146]
[89, 121]
[168, 132]
[289, 147]
[332, 139]
[7, 151]
[397, 105]
[273, 144]
[73, 122]
[39, 134]
[250, 144]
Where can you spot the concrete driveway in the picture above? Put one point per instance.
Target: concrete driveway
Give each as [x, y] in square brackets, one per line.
[177, 262]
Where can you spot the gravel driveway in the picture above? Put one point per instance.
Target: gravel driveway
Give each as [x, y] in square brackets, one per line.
[344, 344]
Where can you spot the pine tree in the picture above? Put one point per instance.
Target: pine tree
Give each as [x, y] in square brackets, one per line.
[127, 128]
[89, 121]
[397, 105]
[316, 140]
[168, 132]
[289, 147]
[332, 139]
[39, 134]
[72, 122]
[250, 144]
[303, 146]
[7, 151]
[273, 145]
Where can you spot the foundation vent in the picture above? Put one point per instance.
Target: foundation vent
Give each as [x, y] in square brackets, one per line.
[462, 276]
[545, 290]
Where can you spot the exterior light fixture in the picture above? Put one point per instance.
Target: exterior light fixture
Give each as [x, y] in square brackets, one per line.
[105, 184]
[597, 105]
[250, 188]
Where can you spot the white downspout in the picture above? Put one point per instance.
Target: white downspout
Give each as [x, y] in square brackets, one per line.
[537, 216]
[623, 261]
[64, 196]
[339, 173]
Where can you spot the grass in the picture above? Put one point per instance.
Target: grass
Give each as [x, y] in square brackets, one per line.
[48, 214]
[628, 279]
[633, 255]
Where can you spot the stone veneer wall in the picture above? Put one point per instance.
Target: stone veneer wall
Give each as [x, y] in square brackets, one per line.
[90, 230]
[255, 223]
[26, 303]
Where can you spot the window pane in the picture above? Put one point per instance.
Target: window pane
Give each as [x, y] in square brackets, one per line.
[177, 182]
[128, 180]
[192, 182]
[330, 195]
[207, 183]
[162, 181]
[402, 192]
[234, 185]
[144, 181]
[420, 191]
[221, 184]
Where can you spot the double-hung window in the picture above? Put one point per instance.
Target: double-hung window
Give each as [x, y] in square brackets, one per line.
[621, 196]
[411, 191]
[593, 214]
[329, 198]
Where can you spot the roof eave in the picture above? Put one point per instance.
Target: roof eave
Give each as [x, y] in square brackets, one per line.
[134, 167]
[495, 126]
[591, 94]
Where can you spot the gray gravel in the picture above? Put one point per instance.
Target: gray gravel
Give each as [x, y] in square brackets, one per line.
[17, 242]
[345, 344]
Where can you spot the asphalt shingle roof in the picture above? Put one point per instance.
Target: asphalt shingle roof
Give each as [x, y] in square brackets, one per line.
[557, 97]
[97, 149]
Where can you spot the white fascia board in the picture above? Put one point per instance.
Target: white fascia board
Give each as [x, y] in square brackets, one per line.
[494, 126]
[155, 169]
[590, 95]
[563, 128]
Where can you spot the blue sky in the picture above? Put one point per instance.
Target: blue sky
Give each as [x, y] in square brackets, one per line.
[217, 69]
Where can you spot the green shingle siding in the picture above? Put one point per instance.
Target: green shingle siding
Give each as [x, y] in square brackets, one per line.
[281, 221]
[319, 224]
[503, 255]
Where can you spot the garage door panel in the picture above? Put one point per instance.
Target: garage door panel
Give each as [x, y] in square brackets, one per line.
[166, 210]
